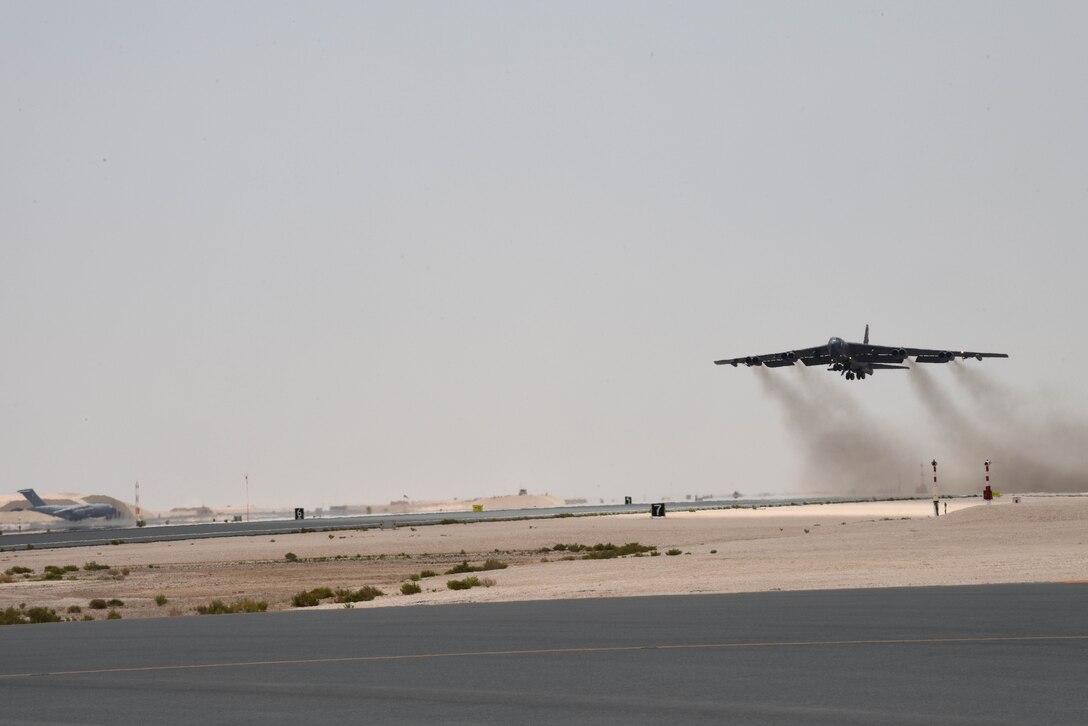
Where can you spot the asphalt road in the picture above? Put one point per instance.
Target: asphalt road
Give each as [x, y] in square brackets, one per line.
[83, 534]
[1007, 654]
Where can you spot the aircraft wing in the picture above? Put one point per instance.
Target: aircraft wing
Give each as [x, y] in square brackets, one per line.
[890, 354]
[809, 356]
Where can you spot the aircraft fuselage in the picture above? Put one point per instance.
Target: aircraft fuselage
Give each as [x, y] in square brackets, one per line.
[842, 360]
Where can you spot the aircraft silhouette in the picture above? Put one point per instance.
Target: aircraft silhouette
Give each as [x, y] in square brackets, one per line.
[71, 512]
[856, 360]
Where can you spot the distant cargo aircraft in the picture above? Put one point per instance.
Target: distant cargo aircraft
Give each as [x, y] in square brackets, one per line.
[71, 512]
[855, 360]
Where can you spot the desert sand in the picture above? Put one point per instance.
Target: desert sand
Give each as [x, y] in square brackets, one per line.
[828, 546]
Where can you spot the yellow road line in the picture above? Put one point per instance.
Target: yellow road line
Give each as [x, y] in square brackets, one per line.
[551, 651]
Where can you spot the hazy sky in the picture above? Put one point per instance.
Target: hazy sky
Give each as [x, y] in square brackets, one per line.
[367, 250]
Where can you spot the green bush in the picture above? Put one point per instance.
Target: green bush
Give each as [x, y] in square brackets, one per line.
[492, 564]
[609, 551]
[97, 604]
[92, 565]
[290, 557]
[23, 616]
[75, 609]
[160, 600]
[366, 593]
[462, 568]
[71, 568]
[413, 577]
[465, 584]
[115, 603]
[42, 615]
[304, 599]
[245, 605]
[428, 573]
[11, 616]
[215, 607]
[18, 570]
[113, 615]
[410, 588]
[673, 552]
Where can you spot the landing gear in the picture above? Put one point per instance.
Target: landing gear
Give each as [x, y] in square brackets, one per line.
[843, 370]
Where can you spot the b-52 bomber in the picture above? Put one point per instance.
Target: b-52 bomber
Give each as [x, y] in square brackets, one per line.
[856, 360]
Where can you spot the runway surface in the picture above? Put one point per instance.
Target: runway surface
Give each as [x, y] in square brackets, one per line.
[956, 655]
[81, 535]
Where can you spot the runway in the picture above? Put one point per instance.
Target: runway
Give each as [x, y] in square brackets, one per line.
[67, 535]
[1007, 654]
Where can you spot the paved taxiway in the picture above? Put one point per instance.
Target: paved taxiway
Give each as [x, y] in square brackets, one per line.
[958, 655]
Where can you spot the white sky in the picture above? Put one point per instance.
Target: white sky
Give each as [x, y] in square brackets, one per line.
[361, 251]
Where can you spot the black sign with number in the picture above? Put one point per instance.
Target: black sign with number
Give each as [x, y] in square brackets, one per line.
[300, 513]
[657, 510]
[627, 500]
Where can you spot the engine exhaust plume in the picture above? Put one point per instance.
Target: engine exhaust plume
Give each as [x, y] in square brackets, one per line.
[847, 451]
[1035, 448]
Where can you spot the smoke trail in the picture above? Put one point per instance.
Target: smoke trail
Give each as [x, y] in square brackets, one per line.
[986, 393]
[847, 450]
[1034, 448]
[955, 423]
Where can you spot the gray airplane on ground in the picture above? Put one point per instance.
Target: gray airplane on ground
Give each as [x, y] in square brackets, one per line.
[71, 512]
[855, 360]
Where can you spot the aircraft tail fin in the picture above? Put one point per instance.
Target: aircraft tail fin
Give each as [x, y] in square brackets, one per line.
[866, 341]
[32, 497]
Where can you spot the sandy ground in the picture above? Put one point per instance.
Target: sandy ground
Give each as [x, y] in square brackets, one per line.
[871, 544]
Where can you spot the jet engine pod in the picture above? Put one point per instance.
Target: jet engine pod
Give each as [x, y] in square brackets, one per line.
[753, 360]
[899, 352]
[791, 356]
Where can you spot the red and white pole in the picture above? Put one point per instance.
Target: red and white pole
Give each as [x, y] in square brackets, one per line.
[987, 494]
[936, 493]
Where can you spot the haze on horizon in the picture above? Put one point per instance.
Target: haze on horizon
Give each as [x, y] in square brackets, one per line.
[367, 251]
